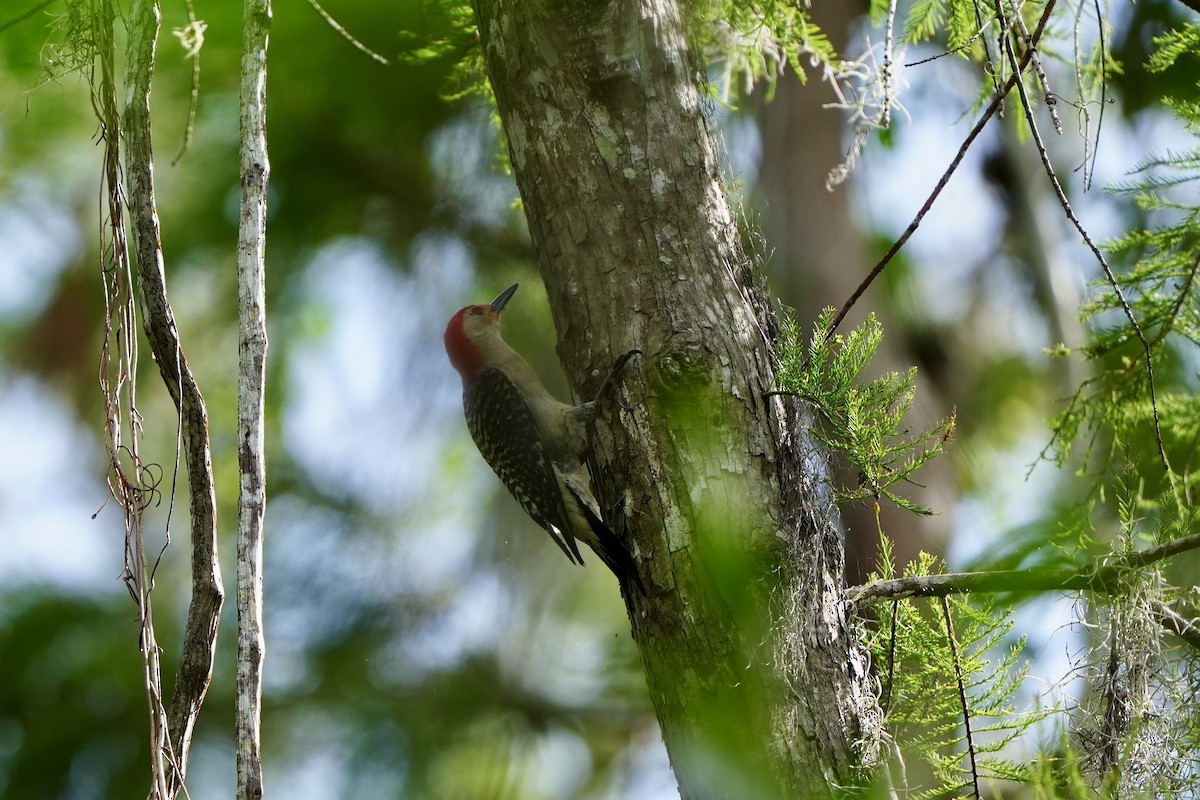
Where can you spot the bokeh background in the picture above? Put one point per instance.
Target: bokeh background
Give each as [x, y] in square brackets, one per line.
[424, 640]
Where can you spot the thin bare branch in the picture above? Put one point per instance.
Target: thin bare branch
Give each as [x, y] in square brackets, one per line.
[1144, 558]
[1102, 575]
[1109, 275]
[1185, 291]
[993, 69]
[1090, 167]
[983, 26]
[132, 482]
[26, 15]
[252, 348]
[885, 697]
[948, 583]
[889, 43]
[1186, 629]
[158, 321]
[984, 118]
[1117, 715]
[962, 695]
[349, 37]
[191, 38]
[1036, 61]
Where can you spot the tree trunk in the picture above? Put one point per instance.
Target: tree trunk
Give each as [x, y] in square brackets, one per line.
[758, 678]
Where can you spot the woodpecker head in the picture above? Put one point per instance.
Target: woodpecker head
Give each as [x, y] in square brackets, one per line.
[470, 331]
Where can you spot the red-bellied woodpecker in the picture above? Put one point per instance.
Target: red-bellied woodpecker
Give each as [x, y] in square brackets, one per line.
[536, 445]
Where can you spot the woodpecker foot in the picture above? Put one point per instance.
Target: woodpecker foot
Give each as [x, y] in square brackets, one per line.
[616, 370]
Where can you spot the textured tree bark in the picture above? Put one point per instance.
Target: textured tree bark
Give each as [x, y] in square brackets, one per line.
[756, 674]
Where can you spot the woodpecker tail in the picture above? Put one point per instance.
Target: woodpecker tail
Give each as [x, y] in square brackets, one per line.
[604, 542]
[607, 545]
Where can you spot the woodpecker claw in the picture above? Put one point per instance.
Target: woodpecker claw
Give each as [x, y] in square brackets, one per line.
[616, 370]
[624, 358]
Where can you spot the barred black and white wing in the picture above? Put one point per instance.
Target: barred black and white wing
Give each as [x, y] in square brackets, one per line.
[506, 433]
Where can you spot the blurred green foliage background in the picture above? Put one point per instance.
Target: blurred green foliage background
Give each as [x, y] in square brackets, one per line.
[423, 639]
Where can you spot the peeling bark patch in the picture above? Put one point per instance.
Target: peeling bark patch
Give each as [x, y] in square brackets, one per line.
[659, 182]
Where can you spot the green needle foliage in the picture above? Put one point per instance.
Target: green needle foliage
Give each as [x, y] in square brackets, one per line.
[451, 37]
[1160, 285]
[747, 41]
[863, 421]
[925, 670]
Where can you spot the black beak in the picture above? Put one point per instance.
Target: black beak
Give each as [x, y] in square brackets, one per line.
[502, 300]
